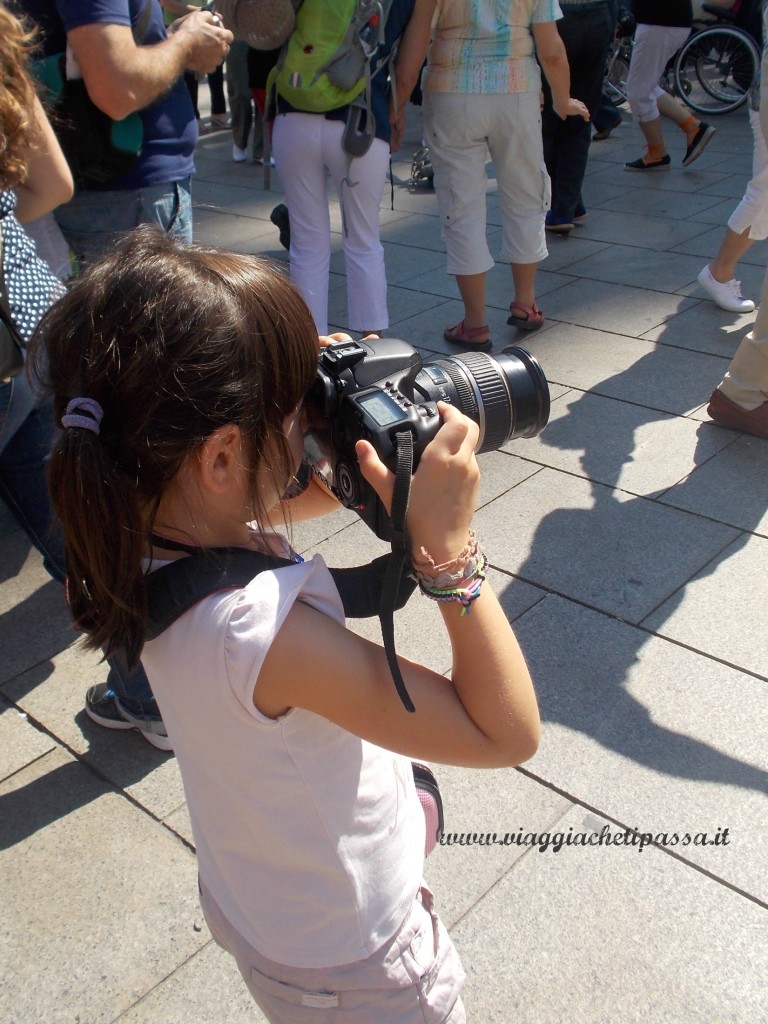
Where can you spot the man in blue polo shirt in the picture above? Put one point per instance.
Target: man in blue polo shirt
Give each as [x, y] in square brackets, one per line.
[124, 75]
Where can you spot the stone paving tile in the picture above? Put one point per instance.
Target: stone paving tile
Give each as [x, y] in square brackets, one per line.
[206, 989]
[34, 623]
[728, 595]
[20, 743]
[618, 703]
[622, 309]
[649, 232]
[461, 871]
[671, 941]
[707, 242]
[642, 452]
[591, 543]
[661, 204]
[731, 487]
[620, 367]
[666, 271]
[89, 923]
[703, 327]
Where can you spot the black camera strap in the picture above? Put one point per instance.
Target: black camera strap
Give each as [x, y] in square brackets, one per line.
[398, 560]
[381, 587]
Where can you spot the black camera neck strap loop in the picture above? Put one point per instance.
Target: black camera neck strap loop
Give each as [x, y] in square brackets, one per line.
[399, 559]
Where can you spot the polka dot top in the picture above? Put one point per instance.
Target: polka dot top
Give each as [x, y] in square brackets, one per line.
[30, 284]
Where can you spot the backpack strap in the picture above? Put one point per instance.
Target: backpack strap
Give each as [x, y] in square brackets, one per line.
[175, 588]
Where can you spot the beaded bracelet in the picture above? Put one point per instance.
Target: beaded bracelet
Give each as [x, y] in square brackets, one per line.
[458, 580]
[461, 595]
[448, 574]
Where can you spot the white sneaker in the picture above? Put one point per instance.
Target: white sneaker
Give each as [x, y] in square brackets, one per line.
[239, 155]
[727, 296]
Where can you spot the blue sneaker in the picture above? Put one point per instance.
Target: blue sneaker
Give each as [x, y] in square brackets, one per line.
[560, 225]
[580, 214]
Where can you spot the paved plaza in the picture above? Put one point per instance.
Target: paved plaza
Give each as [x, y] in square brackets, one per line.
[629, 544]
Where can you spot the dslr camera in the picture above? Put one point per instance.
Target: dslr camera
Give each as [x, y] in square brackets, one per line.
[375, 389]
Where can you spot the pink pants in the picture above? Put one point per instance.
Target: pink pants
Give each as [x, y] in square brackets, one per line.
[415, 978]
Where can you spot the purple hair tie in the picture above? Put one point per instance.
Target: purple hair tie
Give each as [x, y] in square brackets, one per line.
[89, 422]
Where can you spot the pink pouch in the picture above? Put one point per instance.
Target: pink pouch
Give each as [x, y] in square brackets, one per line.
[431, 802]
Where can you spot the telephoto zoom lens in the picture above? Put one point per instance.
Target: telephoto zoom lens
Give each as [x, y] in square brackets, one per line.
[506, 395]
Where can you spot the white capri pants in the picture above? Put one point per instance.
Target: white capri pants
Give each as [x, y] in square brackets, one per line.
[654, 45]
[752, 211]
[307, 147]
[460, 130]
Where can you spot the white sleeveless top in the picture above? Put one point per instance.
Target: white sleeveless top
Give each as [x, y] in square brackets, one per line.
[309, 839]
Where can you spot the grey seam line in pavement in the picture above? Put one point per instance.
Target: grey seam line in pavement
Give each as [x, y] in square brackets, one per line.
[616, 821]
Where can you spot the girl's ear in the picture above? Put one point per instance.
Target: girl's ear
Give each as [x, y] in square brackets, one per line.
[220, 459]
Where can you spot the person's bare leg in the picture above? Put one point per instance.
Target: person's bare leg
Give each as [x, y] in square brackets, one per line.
[654, 138]
[697, 133]
[732, 248]
[675, 110]
[524, 281]
[472, 290]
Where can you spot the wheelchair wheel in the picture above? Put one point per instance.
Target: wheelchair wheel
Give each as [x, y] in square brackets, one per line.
[615, 82]
[715, 68]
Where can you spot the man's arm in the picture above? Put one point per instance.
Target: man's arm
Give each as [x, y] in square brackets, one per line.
[122, 77]
[410, 58]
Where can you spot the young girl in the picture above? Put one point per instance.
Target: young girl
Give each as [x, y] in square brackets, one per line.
[178, 376]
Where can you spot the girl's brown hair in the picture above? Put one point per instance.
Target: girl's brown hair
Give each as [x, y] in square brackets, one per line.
[17, 94]
[173, 341]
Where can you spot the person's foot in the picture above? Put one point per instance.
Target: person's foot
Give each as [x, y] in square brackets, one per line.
[219, 121]
[603, 133]
[103, 706]
[580, 214]
[559, 225]
[282, 221]
[729, 414]
[527, 318]
[727, 294]
[698, 142]
[239, 155]
[662, 164]
[469, 337]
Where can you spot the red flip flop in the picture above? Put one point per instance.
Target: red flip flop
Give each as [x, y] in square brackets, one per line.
[465, 336]
[532, 320]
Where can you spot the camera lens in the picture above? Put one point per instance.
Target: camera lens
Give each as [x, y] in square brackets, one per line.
[506, 395]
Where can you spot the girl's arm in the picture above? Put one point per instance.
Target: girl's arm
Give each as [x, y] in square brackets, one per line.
[485, 715]
[49, 180]
[554, 62]
[410, 58]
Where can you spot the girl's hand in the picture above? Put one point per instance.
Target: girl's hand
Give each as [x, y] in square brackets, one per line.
[328, 339]
[444, 487]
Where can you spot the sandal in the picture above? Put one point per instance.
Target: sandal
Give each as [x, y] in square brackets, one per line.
[468, 337]
[532, 320]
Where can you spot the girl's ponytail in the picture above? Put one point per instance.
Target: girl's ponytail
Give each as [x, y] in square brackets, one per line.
[151, 350]
[104, 542]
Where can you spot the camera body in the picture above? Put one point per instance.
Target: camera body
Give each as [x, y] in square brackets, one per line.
[376, 389]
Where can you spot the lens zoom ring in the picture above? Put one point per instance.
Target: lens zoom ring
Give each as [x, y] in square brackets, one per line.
[467, 401]
[494, 397]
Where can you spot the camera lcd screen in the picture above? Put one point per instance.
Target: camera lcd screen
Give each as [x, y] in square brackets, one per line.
[381, 408]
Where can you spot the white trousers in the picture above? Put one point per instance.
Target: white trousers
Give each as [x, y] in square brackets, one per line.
[654, 45]
[752, 211]
[307, 147]
[460, 130]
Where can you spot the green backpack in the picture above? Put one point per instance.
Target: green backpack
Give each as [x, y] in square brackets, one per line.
[326, 63]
